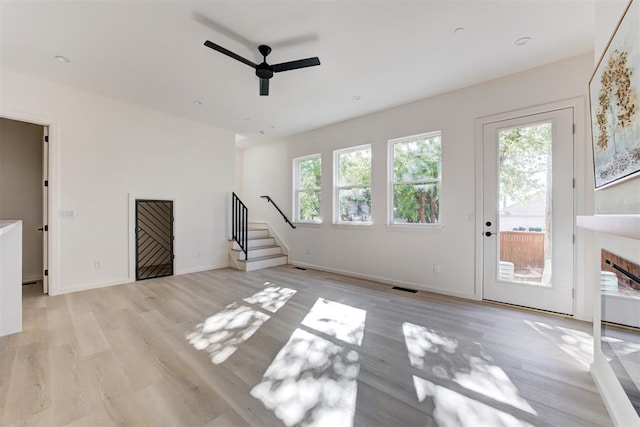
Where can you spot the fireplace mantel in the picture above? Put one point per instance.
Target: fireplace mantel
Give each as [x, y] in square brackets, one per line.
[619, 225]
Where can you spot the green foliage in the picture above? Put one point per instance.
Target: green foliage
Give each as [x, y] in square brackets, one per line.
[355, 168]
[416, 173]
[417, 160]
[309, 173]
[524, 156]
[309, 205]
[309, 177]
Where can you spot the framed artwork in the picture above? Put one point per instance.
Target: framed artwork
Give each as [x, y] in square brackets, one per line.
[614, 92]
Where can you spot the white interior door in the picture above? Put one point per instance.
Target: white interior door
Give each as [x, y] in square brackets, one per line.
[528, 211]
[45, 211]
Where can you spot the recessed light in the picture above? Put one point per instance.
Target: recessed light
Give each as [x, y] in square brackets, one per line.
[459, 30]
[64, 59]
[522, 41]
[356, 97]
[198, 103]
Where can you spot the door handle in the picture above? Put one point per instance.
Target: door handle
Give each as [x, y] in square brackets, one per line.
[488, 233]
[41, 229]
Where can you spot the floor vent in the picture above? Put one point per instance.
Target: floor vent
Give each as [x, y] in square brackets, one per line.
[398, 288]
[300, 268]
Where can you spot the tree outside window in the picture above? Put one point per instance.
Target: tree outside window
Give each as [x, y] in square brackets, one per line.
[308, 172]
[353, 185]
[415, 179]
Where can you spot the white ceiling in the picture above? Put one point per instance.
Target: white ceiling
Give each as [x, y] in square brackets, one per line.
[388, 53]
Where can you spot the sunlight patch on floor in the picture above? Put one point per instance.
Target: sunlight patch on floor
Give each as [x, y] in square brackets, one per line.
[272, 298]
[312, 381]
[465, 363]
[454, 409]
[222, 334]
[577, 344]
[337, 320]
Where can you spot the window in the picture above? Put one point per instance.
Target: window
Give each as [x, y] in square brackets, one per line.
[353, 185]
[415, 177]
[307, 172]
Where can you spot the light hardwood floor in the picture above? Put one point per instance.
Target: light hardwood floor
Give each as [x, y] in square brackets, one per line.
[305, 348]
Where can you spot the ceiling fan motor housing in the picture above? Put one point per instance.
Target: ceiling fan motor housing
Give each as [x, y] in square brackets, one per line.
[264, 71]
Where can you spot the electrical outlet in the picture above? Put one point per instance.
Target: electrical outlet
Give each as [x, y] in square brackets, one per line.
[436, 269]
[307, 251]
[199, 254]
[97, 265]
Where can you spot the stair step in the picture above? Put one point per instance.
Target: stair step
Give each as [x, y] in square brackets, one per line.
[258, 251]
[263, 262]
[256, 243]
[257, 233]
[262, 258]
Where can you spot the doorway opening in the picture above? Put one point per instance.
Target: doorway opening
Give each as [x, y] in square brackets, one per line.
[24, 158]
[154, 238]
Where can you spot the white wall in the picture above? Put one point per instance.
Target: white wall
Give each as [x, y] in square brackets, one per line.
[394, 255]
[21, 188]
[103, 150]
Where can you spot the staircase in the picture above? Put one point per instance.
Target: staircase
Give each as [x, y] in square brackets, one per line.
[263, 251]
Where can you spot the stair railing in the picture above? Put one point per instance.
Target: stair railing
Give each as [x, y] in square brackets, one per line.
[239, 226]
[269, 200]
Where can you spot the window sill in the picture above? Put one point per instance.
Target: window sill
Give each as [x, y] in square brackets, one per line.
[353, 226]
[417, 228]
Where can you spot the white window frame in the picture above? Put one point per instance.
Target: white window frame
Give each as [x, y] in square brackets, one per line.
[392, 183]
[297, 190]
[337, 187]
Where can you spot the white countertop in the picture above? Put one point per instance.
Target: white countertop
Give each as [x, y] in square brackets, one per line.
[5, 226]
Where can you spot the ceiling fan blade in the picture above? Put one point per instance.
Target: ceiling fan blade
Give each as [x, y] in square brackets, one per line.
[229, 53]
[264, 87]
[294, 65]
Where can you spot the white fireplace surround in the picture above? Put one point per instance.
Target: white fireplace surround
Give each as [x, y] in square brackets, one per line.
[619, 234]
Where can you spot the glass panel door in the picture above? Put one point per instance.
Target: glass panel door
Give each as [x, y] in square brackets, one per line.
[528, 211]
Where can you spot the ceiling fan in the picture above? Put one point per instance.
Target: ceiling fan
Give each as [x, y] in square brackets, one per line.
[263, 70]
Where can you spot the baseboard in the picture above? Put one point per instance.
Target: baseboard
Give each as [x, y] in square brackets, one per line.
[89, 286]
[128, 280]
[32, 278]
[201, 268]
[384, 280]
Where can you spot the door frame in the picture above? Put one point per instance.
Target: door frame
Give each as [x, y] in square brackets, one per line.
[582, 198]
[53, 241]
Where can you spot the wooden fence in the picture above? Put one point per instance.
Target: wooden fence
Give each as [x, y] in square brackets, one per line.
[523, 248]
